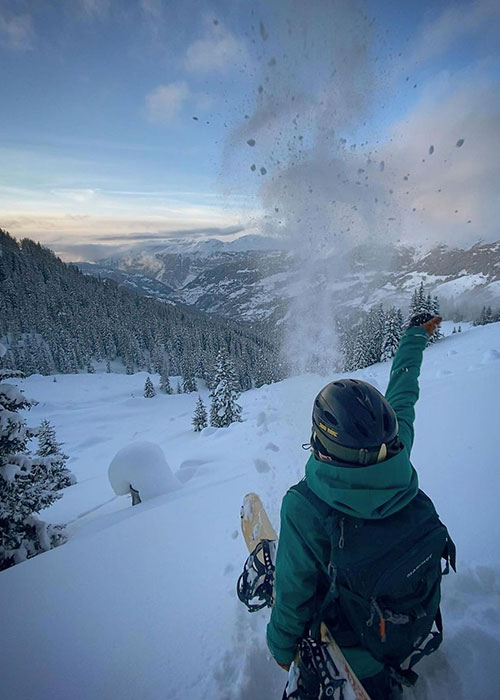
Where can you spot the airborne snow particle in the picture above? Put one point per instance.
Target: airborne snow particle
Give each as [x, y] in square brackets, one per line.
[195, 118]
[251, 142]
[460, 143]
[431, 150]
[263, 171]
[260, 89]
[272, 62]
[382, 166]
[252, 167]
[263, 32]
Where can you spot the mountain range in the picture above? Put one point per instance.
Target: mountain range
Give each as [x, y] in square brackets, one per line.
[255, 278]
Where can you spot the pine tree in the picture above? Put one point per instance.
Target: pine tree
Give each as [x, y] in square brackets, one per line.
[434, 310]
[200, 416]
[223, 408]
[393, 329]
[25, 484]
[188, 380]
[149, 390]
[419, 302]
[178, 388]
[54, 459]
[165, 385]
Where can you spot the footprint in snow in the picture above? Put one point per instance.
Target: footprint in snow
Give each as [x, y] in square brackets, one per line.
[443, 373]
[262, 466]
[271, 446]
[490, 356]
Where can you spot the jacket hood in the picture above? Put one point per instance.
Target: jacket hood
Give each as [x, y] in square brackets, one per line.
[371, 492]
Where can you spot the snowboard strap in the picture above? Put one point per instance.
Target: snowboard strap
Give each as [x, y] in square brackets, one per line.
[317, 674]
[255, 587]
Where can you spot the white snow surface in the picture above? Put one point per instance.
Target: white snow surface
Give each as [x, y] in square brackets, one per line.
[141, 465]
[141, 603]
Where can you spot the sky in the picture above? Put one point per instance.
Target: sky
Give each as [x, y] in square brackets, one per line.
[324, 121]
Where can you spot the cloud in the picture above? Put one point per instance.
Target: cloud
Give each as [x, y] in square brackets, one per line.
[165, 102]
[454, 185]
[76, 195]
[188, 233]
[153, 8]
[16, 32]
[454, 23]
[218, 50]
[95, 8]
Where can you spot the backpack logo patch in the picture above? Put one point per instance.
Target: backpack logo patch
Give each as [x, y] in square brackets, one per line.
[419, 565]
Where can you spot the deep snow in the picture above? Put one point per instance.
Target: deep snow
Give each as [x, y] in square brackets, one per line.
[141, 603]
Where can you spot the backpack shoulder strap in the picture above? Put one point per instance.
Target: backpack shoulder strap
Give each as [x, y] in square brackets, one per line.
[318, 504]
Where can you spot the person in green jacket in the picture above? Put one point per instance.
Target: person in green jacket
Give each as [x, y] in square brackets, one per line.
[379, 440]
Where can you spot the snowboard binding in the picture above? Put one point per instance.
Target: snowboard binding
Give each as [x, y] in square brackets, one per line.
[256, 583]
[316, 675]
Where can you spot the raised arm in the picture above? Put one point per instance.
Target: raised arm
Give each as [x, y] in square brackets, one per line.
[403, 390]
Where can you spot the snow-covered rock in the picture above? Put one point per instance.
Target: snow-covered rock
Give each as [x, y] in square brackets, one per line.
[143, 466]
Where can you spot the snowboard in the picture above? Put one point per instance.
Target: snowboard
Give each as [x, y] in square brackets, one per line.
[261, 540]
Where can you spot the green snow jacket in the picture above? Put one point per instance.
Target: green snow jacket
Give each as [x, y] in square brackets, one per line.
[375, 491]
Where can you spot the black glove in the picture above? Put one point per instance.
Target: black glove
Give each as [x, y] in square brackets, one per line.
[420, 319]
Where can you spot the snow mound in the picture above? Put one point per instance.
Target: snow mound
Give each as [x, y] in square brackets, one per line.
[143, 466]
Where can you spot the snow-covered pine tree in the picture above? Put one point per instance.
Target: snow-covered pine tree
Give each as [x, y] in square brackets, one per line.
[419, 302]
[165, 385]
[188, 380]
[54, 459]
[25, 485]
[485, 317]
[374, 333]
[393, 329]
[178, 388]
[149, 390]
[223, 408]
[200, 416]
[434, 310]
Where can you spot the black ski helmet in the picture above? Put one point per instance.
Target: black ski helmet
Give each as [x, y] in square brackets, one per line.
[353, 422]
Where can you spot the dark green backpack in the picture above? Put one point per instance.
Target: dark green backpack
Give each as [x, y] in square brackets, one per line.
[385, 575]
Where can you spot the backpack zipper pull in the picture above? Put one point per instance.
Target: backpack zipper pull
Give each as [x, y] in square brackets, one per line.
[381, 620]
[341, 538]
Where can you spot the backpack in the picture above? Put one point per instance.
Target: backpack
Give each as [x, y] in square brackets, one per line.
[385, 575]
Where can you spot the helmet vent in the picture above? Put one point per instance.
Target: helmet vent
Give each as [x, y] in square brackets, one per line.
[340, 384]
[361, 428]
[331, 418]
[387, 422]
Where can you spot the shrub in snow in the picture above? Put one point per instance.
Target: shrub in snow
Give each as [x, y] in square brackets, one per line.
[149, 390]
[26, 484]
[141, 467]
[223, 408]
[54, 459]
[200, 416]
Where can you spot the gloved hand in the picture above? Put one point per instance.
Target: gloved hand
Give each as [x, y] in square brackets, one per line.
[425, 320]
[431, 325]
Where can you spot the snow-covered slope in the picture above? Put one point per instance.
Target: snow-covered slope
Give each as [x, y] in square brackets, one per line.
[141, 603]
